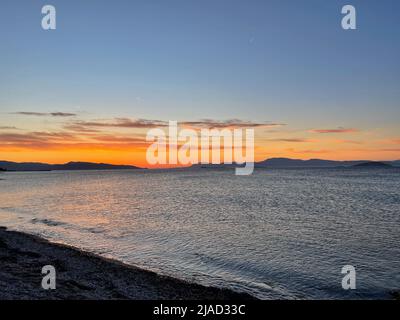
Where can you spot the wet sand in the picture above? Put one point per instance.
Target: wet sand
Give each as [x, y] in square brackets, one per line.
[82, 275]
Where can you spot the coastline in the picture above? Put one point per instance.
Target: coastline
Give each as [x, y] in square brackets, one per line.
[83, 275]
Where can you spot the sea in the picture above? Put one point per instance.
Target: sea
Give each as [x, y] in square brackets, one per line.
[277, 234]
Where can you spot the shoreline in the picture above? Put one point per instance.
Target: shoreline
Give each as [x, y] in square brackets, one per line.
[84, 275]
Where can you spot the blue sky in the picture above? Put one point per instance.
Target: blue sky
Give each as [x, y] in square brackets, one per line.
[279, 59]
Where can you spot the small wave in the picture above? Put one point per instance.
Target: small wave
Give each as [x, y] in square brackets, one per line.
[6, 208]
[94, 230]
[48, 222]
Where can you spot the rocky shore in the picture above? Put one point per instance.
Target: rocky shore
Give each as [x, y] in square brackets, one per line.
[82, 275]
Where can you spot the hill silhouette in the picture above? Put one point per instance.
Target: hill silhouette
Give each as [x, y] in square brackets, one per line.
[373, 164]
[37, 166]
[298, 163]
[268, 163]
[313, 163]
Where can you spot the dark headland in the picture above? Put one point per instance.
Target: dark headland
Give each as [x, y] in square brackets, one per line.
[320, 163]
[286, 163]
[82, 275]
[373, 164]
[37, 166]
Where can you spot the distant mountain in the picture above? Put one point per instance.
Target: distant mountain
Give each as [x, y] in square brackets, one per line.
[395, 163]
[269, 163]
[373, 164]
[312, 163]
[297, 163]
[91, 166]
[36, 166]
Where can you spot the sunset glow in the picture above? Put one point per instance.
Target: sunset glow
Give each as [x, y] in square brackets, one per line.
[124, 142]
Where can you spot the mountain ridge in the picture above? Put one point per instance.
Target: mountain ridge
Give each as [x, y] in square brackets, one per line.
[72, 165]
[315, 163]
[299, 163]
[268, 163]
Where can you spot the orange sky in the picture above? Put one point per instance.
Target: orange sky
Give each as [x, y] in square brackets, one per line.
[60, 139]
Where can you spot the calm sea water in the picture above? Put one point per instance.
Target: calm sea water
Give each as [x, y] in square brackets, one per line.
[276, 234]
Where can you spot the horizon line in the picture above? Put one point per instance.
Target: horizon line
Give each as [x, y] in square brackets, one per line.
[199, 163]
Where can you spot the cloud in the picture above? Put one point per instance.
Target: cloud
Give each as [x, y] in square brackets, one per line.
[391, 141]
[8, 128]
[347, 141]
[116, 123]
[310, 151]
[295, 140]
[44, 114]
[338, 130]
[80, 128]
[11, 138]
[87, 126]
[62, 114]
[120, 139]
[65, 141]
[232, 123]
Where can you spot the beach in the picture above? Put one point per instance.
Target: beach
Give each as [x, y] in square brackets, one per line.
[82, 275]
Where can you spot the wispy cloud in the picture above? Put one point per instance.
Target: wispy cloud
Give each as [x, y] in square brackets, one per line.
[347, 141]
[116, 123]
[120, 139]
[44, 114]
[8, 128]
[309, 151]
[65, 140]
[337, 130]
[11, 138]
[391, 141]
[93, 133]
[295, 140]
[62, 114]
[76, 127]
[231, 123]
[87, 126]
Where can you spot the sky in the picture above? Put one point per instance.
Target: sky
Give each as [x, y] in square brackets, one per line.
[112, 70]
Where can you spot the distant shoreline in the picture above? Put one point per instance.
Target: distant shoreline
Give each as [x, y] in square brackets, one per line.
[221, 168]
[83, 275]
[272, 163]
